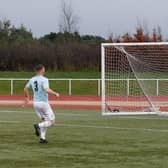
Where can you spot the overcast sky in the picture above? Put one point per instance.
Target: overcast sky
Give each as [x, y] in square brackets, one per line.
[98, 17]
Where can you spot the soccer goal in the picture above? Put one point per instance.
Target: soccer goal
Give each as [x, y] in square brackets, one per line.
[130, 78]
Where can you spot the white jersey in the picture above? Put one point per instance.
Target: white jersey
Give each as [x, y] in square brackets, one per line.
[38, 84]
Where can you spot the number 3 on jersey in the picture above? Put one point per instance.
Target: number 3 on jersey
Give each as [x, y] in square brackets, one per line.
[36, 86]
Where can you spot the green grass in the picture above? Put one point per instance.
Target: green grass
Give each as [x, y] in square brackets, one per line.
[83, 139]
[78, 87]
[96, 75]
[84, 87]
[7, 74]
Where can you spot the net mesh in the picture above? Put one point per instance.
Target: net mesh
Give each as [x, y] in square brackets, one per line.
[136, 78]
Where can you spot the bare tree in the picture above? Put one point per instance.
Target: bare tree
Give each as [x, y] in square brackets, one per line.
[69, 21]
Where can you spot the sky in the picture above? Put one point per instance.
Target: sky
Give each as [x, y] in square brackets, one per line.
[96, 17]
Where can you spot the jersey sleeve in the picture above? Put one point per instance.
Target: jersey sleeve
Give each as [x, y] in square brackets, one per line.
[28, 85]
[46, 84]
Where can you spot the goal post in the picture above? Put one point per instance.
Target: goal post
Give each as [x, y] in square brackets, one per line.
[129, 73]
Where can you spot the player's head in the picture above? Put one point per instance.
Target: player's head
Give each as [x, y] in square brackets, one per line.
[39, 69]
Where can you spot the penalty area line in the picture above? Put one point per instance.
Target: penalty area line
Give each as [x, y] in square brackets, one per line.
[1, 121]
[110, 127]
[56, 113]
[97, 127]
[89, 115]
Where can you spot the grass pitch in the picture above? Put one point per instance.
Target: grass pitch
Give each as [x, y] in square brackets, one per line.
[83, 87]
[78, 87]
[83, 139]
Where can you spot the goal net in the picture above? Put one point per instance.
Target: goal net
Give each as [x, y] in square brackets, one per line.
[134, 78]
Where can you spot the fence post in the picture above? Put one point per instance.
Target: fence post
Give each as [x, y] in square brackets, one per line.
[70, 87]
[128, 85]
[11, 83]
[98, 85]
[157, 87]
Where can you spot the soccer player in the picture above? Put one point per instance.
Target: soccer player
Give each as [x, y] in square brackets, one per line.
[40, 86]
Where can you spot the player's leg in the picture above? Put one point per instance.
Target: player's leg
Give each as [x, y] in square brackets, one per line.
[49, 120]
[48, 116]
[38, 110]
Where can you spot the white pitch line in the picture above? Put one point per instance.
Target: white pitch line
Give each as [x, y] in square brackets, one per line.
[1, 121]
[111, 127]
[13, 111]
[142, 118]
[61, 114]
[72, 114]
[90, 115]
[98, 127]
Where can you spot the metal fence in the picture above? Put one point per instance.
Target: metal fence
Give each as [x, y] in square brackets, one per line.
[69, 80]
[70, 83]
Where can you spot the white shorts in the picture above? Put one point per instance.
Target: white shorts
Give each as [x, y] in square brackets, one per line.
[44, 111]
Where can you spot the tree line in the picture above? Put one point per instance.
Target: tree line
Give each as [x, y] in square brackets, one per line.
[61, 51]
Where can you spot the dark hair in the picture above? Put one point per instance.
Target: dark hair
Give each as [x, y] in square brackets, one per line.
[38, 67]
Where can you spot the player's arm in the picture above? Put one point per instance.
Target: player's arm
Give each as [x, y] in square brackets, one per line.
[26, 93]
[48, 90]
[51, 92]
